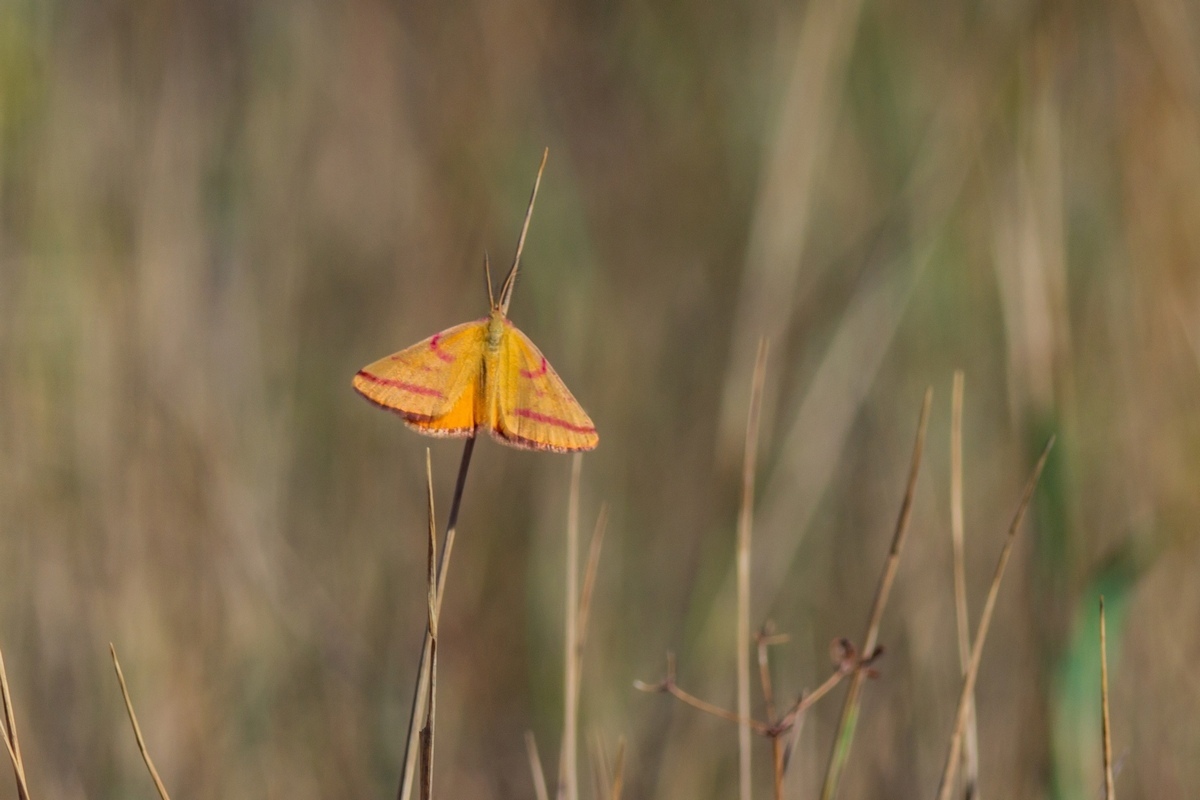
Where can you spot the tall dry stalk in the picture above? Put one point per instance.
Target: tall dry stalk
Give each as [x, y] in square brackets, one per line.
[420, 691]
[137, 729]
[985, 620]
[11, 741]
[745, 526]
[431, 629]
[971, 744]
[849, 719]
[568, 777]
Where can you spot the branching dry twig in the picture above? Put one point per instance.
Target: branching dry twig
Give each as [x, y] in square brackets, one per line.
[985, 620]
[848, 663]
[137, 730]
[849, 719]
[764, 639]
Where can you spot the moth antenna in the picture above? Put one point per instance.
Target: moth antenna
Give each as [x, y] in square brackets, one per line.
[506, 290]
[487, 274]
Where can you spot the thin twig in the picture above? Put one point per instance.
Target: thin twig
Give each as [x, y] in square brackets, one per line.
[1110, 790]
[618, 780]
[535, 767]
[137, 729]
[985, 621]
[971, 745]
[420, 691]
[846, 726]
[745, 526]
[11, 741]
[427, 732]
[568, 779]
[764, 640]
[669, 686]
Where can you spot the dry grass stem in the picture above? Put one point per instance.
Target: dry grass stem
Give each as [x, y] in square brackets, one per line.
[618, 780]
[745, 526]
[137, 729]
[589, 587]
[421, 690]
[601, 772]
[434, 602]
[1110, 791]
[535, 767]
[971, 743]
[568, 778]
[985, 620]
[11, 741]
[845, 731]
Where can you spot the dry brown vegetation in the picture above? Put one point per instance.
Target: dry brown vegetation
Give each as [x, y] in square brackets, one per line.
[212, 214]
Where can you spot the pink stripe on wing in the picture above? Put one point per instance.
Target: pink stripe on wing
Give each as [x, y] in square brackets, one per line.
[549, 420]
[408, 387]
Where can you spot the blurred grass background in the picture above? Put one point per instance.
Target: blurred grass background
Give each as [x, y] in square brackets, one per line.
[212, 214]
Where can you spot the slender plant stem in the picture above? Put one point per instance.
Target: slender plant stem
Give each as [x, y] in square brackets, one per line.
[618, 780]
[849, 719]
[745, 527]
[1110, 790]
[411, 748]
[137, 729]
[985, 620]
[535, 767]
[971, 745]
[434, 602]
[11, 741]
[568, 779]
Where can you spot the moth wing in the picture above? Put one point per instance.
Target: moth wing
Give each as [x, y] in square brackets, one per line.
[535, 409]
[433, 384]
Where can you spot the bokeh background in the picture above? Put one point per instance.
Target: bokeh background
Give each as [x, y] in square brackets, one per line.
[212, 214]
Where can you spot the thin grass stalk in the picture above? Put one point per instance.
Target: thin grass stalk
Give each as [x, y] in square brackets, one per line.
[11, 741]
[137, 729]
[535, 767]
[568, 778]
[428, 731]
[971, 744]
[411, 746]
[949, 774]
[745, 528]
[590, 571]
[1110, 790]
[618, 780]
[849, 719]
[601, 773]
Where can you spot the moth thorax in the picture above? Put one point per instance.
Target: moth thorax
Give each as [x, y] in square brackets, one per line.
[495, 331]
